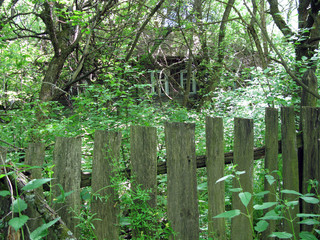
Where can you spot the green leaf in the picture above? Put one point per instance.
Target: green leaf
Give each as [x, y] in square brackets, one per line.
[270, 179]
[311, 200]
[283, 235]
[309, 222]
[264, 205]
[40, 232]
[61, 198]
[35, 183]
[261, 226]
[125, 221]
[260, 194]
[18, 222]
[245, 198]
[224, 178]
[18, 205]
[290, 192]
[202, 186]
[302, 70]
[4, 193]
[235, 189]
[302, 215]
[292, 203]
[307, 236]
[229, 214]
[271, 215]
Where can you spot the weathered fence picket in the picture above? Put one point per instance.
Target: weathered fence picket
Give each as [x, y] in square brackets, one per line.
[290, 169]
[67, 173]
[105, 155]
[215, 170]
[182, 206]
[311, 154]
[243, 158]
[271, 161]
[35, 157]
[143, 156]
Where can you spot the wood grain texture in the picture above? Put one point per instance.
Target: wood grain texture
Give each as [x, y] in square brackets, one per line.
[183, 210]
[105, 155]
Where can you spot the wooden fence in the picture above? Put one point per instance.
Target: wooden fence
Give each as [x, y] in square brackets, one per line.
[181, 166]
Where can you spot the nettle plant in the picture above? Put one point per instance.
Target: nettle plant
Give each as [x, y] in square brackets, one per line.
[19, 205]
[278, 210]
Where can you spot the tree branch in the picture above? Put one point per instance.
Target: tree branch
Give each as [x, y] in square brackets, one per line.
[133, 45]
[283, 62]
[280, 22]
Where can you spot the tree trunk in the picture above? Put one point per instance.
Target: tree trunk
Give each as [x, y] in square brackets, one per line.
[49, 84]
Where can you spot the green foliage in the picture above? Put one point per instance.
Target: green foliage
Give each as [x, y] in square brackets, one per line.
[279, 210]
[19, 205]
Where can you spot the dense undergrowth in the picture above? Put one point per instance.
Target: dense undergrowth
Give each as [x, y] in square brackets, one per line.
[113, 109]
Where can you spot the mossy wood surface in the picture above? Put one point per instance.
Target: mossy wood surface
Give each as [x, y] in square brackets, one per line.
[243, 158]
[183, 210]
[104, 205]
[215, 170]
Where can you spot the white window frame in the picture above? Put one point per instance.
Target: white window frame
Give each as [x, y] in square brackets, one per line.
[163, 81]
[193, 89]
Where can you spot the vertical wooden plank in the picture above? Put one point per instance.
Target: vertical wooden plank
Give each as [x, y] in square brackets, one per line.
[35, 157]
[290, 172]
[143, 156]
[243, 158]
[183, 212]
[271, 160]
[310, 166]
[215, 170]
[67, 172]
[105, 154]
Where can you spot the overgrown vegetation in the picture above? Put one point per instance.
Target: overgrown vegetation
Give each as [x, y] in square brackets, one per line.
[69, 68]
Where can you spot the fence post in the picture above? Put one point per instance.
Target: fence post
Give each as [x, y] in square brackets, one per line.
[271, 160]
[67, 173]
[290, 168]
[35, 157]
[310, 166]
[243, 158]
[215, 170]
[183, 212]
[105, 153]
[143, 156]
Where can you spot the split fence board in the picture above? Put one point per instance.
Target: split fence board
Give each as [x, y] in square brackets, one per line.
[143, 156]
[243, 158]
[271, 160]
[105, 155]
[183, 212]
[35, 155]
[215, 170]
[67, 173]
[290, 169]
[311, 160]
